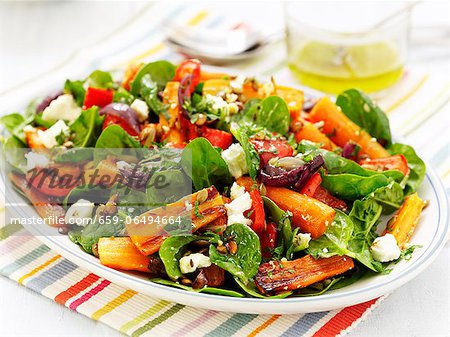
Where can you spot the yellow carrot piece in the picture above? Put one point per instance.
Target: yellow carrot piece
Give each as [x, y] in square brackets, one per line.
[216, 86]
[403, 224]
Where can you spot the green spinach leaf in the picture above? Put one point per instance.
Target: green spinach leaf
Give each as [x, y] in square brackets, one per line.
[160, 72]
[206, 290]
[100, 79]
[244, 264]
[77, 90]
[416, 165]
[87, 128]
[171, 252]
[365, 113]
[87, 236]
[204, 165]
[351, 186]
[389, 197]
[149, 91]
[167, 186]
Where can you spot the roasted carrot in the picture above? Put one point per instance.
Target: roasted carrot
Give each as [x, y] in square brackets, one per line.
[247, 183]
[342, 130]
[309, 214]
[293, 98]
[121, 253]
[130, 74]
[396, 162]
[203, 207]
[403, 224]
[216, 86]
[278, 277]
[32, 139]
[170, 97]
[310, 132]
[51, 212]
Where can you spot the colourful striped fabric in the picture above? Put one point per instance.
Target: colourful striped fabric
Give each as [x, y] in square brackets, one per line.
[416, 107]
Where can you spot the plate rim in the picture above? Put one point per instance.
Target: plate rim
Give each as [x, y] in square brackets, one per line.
[309, 304]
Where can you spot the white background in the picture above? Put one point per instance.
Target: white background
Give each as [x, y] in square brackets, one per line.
[35, 36]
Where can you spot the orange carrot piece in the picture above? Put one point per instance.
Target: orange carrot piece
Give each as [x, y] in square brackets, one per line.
[403, 224]
[247, 183]
[279, 277]
[205, 75]
[310, 132]
[293, 97]
[121, 253]
[342, 130]
[216, 86]
[311, 185]
[309, 214]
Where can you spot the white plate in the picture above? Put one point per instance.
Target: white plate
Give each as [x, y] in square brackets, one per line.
[431, 233]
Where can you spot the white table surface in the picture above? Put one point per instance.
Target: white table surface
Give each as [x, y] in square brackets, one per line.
[34, 36]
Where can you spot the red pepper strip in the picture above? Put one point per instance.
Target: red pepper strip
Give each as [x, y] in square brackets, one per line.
[397, 162]
[327, 198]
[217, 138]
[97, 96]
[189, 67]
[311, 185]
[269, 240]
[258, 216]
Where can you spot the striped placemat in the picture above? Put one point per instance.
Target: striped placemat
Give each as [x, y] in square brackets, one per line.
[417, 107]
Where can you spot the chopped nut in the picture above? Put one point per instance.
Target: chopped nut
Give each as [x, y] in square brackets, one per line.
[202, 196]
[232, 247]
[222, 249]
[186, 281]
[95, 249]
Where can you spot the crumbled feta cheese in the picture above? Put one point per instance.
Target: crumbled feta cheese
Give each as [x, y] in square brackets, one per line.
[79, 212]
[236, 191]
[48, 137]
[64, 107]
[240, 204]
[36, 160]
[188, 205]
[238, 218]
[217, 102]
[190, 263]
[141, 109]
[385, 248]
[236, 209]
[29, 128]
[237, 84]
[234, 156]
[301, 241]
[325, 250]
[230, 98]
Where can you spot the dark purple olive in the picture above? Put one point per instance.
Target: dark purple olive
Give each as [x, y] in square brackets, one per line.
[47, 100]
[123, 111]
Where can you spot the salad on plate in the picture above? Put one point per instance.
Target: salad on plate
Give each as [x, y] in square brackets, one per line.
[218, 183]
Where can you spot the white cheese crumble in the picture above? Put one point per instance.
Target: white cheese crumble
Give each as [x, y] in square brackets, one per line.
[36, 160]
[219, 105]
[141, 109]
[236, 209]
[234, 156]
[48, 137]
[79, 213]
[385, 248]
[190, 263]
[236, 191]
[64, 107]
[237, 84]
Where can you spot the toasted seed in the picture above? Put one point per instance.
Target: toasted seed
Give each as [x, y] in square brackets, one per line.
[222, 249]
[290, 163]
[262, 189]
[95, 249]
[201, 119]
[186, 281]
[202, 196]
[232, 247]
